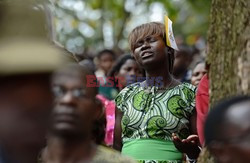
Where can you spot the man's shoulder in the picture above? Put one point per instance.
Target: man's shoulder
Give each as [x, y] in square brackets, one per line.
[107, 155]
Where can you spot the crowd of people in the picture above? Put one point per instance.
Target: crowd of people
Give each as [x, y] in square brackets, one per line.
[149, 105]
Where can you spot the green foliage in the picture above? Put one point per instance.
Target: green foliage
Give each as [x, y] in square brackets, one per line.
[190, 18]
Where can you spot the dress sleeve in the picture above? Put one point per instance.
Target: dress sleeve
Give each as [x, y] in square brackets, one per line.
[120, 99]
[189, 92]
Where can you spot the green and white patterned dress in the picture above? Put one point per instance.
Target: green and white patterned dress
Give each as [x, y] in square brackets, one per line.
[150, 116]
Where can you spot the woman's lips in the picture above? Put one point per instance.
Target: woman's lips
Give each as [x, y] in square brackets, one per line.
[146, 55]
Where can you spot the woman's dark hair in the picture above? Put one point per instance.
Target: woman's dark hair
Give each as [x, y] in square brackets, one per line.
[118, 64]
[106, 51]
[198, 62]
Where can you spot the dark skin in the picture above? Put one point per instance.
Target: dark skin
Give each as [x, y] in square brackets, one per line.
[118, 130]
[20, 115]
[129, 68]
[191, 143]
[70, 138]
[198, 72]
[106, 62]
[234, 146]
[152, 54]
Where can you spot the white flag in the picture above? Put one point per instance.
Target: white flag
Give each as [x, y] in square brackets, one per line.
[169, 34]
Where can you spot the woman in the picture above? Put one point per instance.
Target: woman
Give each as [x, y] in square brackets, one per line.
[126, 71]
[198, 72]
[105, 61]
[124, 67]
[153, 116]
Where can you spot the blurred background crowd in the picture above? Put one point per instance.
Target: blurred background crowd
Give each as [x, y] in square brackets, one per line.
[58, 119]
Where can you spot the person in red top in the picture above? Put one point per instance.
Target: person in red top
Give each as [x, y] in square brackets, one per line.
[202, 106]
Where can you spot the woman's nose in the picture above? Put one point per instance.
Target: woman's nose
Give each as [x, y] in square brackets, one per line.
[145, 45]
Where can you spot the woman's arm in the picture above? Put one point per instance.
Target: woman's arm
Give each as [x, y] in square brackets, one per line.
[193, 122]
[118, 130]
[191, 144]
[193, 138]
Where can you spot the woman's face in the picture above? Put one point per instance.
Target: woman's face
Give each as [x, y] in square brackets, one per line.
[128, 69]
[106, 62]
[150, 51]
[198, 72]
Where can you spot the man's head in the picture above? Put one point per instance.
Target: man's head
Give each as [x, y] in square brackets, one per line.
[76, 107]
[148, 45]
[227, 130]
[25, 96]
[27, 60]
[25, 102]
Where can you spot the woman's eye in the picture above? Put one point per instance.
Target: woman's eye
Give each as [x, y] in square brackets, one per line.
[152, 39]
[138, 44]
[196, 74]
[128, 69]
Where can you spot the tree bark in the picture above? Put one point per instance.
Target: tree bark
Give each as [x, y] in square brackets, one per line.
[229, 51]
[229, 55]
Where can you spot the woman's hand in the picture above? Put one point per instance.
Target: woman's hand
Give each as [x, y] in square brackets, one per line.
[190, 145]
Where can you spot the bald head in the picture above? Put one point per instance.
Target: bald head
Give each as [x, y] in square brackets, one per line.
[227, 117]
[227, 130]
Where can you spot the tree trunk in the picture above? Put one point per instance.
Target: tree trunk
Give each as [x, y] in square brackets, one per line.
[229, 51]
